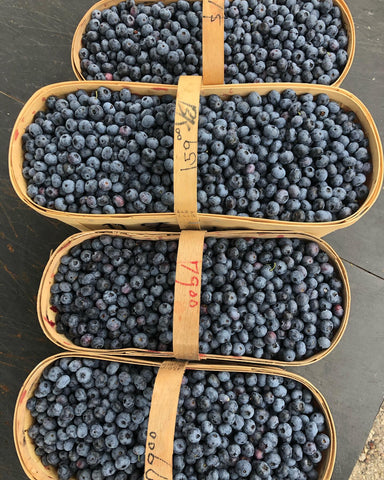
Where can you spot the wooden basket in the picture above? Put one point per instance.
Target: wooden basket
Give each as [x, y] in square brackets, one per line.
[212, 73]
[169, 221]
[47, 314]
[35, 470]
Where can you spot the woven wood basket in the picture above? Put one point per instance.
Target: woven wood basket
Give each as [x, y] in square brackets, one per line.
[160, 426]
[174, 221]
[212, 37]
[185, 319]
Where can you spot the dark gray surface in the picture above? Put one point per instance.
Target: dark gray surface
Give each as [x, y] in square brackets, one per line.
[36, 43]
[361, 243]
[36, 40]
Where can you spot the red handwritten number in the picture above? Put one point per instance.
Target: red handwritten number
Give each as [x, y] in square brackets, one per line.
[195, 270]
[193, 303]
[194, 282]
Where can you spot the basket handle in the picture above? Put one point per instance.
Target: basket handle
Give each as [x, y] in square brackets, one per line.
[162, 420]
[186, 305]
[185, 152]
[213, 42]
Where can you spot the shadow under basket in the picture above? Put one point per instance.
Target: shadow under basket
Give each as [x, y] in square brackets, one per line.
[169, 221]
[188, 338]
[35, 470]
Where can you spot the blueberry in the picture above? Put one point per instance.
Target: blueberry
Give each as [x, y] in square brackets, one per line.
[322, 441]
[272, 209]
[84, 375]
[243, 468]
[263, 469]
[62, 382]
[309, 448]
[324, 342]
[323, 216]
[278, 172]
[311, 431]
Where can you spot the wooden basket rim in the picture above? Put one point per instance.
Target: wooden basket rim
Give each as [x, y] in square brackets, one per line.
[35, 470]
[346, 14]
[320, 228]
[47, 323]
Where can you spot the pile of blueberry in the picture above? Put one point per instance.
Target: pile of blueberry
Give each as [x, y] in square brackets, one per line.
[263, 298]
[102, 152]
[91, 418]
[264, 41]
[280, 156]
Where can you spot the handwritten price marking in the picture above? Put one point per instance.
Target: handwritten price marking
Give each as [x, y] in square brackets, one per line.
[190, 158]
[185, 151]
[220, 7]
[152, 474]
[213, 18]
[178, 134]
[193, 282]
[219, 16]
[187, 112]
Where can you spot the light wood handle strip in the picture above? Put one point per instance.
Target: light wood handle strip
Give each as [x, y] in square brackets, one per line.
[186, 307]
[162, 420]
[213, 42]
[185, 152]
